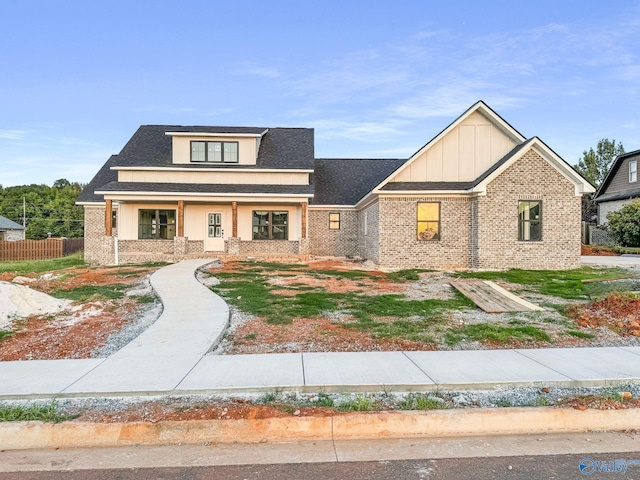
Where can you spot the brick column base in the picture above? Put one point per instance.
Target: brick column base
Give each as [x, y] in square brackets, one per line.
[233, 246]
[180, 246]
[303, 248]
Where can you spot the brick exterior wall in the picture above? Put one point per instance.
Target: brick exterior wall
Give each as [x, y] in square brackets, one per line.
[369, 241]
[605, 208]
[399, 244]
[530, 178]
[98, 249]
[339, 243]
[12, 235]
[269, 247]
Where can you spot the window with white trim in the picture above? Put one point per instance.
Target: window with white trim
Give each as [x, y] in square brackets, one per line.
[633, 171]
[216, 152]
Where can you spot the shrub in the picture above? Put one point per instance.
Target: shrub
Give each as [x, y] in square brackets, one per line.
[624, 225]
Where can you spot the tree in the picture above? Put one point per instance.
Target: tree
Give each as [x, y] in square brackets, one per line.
[624, 225]
[49, 210]
[594, 165]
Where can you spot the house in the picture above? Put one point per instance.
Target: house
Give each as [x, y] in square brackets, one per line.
[10, 230]
[620, 187]
[479, 195]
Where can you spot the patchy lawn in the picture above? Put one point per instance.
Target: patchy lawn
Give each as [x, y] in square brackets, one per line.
[334, 306]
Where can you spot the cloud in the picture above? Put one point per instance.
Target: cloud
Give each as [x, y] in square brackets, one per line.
[258, 70]
[14, 134]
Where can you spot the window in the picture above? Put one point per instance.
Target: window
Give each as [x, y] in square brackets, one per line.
[114, 218]
[219, 152]
[530, 221]
[429, 221]
[270, 225]
[334, 221]
[156, 224]
[633, 171]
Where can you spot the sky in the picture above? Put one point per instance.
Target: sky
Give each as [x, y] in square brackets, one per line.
[376, 79]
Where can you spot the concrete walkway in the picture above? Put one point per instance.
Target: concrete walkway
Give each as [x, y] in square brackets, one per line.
[170, 358]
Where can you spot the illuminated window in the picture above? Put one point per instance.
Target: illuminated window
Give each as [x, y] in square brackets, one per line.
[334, 221]
[429, 221]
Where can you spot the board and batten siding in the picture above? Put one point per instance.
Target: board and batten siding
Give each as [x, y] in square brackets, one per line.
[462, 155]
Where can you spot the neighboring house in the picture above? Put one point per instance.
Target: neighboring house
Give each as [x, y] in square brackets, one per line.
[620, 187]
[10, 230]
[478, 195]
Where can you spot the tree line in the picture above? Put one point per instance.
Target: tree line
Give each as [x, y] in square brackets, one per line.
[48, 211]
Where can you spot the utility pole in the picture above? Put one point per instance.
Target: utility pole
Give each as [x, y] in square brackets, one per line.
[24, 214]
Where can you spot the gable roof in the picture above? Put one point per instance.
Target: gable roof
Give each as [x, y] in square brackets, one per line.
[345, 181]
[601, 196]
[6, 224]
[479, 184]
[280, 148]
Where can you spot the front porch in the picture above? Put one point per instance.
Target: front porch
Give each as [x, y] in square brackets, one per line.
[169, 232]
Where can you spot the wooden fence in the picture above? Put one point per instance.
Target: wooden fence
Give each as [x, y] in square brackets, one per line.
[39, 249]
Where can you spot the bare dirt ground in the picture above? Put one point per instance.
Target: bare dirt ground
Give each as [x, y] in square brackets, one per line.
[81, 330]
[605, 323]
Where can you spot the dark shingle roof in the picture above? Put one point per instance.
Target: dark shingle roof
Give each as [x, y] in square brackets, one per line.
[206, 188]
[280, 148]
[411, 186]
[104, 176]
[342, 181]
[7, 224]
[608, 197]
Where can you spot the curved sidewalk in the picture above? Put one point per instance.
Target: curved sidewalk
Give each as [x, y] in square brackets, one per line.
[169, 358]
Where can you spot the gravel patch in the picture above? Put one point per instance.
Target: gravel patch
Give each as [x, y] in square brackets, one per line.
[140, 320]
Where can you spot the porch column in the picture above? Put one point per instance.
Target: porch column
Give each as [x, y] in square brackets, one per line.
[107, 218]
[180, 218]
[234, 217]
[304, 220]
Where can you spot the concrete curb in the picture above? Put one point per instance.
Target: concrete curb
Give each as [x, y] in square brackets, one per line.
[364, 426]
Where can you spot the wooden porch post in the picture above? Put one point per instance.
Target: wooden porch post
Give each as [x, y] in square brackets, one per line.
[304, 220]
[181, 218]
[107, 218]
[234, 216]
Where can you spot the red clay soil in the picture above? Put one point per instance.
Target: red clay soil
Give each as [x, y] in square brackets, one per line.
[591, 250]
[600, 403]
[312, 335]
[40, 338]
[43, 338]
[234, 410]
[618, 311]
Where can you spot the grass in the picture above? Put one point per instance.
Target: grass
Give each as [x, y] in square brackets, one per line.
[358, 404]
[496, 333]
[422, 402]
[83, 293]
[579, 334]
[558, 283]
[250, 292]
[40, 266]
[6, 333]
[32, 412]
[412, 274]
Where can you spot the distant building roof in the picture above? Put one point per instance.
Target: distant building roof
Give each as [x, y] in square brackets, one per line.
[6, 224]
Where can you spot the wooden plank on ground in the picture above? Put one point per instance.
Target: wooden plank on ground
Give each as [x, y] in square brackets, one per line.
[491, 297]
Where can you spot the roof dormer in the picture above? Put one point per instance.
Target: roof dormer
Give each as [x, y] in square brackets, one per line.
[216, 148]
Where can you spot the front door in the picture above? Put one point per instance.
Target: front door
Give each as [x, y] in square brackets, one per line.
[214, 239]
